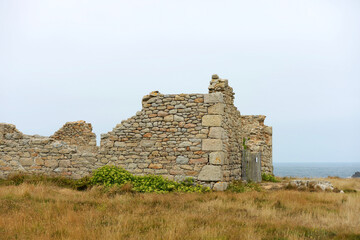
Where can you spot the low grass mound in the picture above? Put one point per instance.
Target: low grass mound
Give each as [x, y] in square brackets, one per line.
[20, 178]
[241, 187]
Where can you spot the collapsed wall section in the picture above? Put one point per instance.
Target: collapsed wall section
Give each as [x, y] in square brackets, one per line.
[46, 155]
[76, 133]
[258, 138]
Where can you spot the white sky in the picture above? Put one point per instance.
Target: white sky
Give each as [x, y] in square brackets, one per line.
[298, 62]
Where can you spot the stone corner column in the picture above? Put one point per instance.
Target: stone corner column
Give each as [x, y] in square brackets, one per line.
[213, 144]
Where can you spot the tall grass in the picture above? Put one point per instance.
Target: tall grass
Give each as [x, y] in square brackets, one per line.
[45, 211]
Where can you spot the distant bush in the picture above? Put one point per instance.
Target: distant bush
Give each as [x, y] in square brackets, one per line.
[268, 178]
[241, 187]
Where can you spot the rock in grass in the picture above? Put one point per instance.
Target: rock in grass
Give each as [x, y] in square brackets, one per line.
[311, 185]
[356, 175]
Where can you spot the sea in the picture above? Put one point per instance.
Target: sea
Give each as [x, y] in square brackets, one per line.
[316, 169]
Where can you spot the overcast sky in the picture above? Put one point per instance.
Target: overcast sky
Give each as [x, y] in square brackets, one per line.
[297, 62]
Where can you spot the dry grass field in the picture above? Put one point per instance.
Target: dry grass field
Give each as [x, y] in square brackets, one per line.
[44, 211]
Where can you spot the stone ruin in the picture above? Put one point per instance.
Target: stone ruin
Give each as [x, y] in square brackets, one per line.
[202, 136]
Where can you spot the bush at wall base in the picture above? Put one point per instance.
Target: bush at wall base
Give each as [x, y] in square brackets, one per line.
[110, 176]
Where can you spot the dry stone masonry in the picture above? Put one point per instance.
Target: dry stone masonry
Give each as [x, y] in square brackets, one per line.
[176, 136]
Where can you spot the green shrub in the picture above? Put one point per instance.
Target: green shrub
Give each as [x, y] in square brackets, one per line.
[188, 182]
[159, 184]
[82, 183]
[153, 183]
[111, 175]
[240, 187]
[268, 178]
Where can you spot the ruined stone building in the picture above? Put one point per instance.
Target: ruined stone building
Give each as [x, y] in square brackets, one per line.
[202, 136]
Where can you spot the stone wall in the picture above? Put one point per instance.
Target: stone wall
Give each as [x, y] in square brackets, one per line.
[177, 136]
[258, 138]
[46, 155]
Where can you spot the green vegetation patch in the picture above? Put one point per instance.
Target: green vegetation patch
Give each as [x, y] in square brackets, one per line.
[241, 187]
[269, 178]
[110, 176]
[113, 179]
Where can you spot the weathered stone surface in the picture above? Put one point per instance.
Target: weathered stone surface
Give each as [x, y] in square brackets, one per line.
[210, 173]
[51, 163]
[185, 144]
[182, 160]
[218, 108]
[212, 145]
[147, 135]
[147, 143]
[178, 118]
[220, 186]
[64, 163]
[189, 125]
[39, 161]
[217, 132]
[199, 100]
[217, 158]
[154, 166]
[169, 118]
[180, 106]
[119, 144]
[26, 161]
[212, 120]
[162, 114]
[198, 161]
[214, 76]
[356, 175]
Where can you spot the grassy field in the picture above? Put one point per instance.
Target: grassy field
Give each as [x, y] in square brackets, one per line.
[45, 211]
